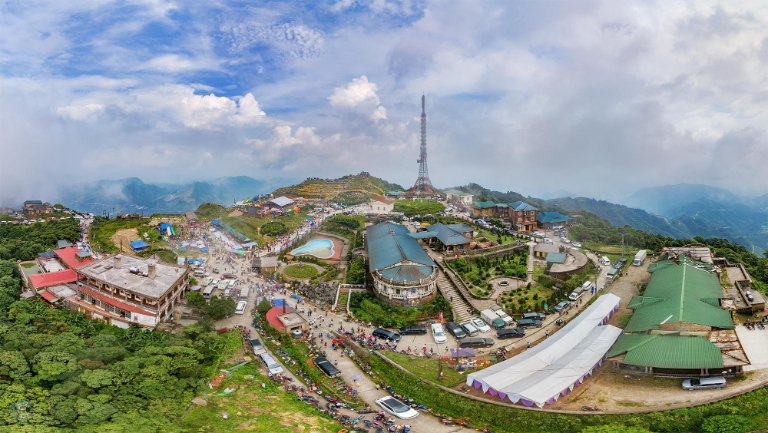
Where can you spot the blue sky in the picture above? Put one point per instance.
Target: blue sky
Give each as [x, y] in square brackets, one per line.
[523, 96]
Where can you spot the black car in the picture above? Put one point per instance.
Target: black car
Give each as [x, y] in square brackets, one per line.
[329, 369]
[455, 330]
[620, 264]
[528, 323]
[413, 330]
[534, 316]
[476, 342]
[387, 335]
[503, 334]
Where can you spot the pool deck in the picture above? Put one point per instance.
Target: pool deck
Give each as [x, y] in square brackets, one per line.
[338, 246]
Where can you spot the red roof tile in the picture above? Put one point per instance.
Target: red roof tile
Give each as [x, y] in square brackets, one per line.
[382, 199]
[67, 255]
[114, 302]
[40, 281]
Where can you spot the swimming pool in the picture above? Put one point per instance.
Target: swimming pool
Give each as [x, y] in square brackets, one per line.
[320, 248]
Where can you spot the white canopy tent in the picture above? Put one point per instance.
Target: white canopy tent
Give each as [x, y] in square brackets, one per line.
[543, 373]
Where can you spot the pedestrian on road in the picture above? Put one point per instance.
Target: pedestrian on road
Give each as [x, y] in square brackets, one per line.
[529, 345]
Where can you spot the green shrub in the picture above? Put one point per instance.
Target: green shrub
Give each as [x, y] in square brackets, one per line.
[274, 228]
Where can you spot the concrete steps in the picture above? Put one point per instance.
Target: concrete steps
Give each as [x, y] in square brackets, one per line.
[459, 305]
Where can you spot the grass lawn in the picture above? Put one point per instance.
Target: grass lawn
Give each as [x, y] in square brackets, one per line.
[255, 408]
[427, 368]
[101, 233]
[418, 207]
[249, 225]
[507, 239]
[629, 252]
[293, 271]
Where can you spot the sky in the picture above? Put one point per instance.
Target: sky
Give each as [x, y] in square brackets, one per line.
[597, 98]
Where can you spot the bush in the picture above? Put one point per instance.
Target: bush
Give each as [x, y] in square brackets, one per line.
[356, 271]
[365, 306]
[274, 228]
[726, 424]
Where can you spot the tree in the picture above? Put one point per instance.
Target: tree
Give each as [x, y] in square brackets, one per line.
[49, 365]
[220, 307]
[97, 378]
[614, 429]
[264, 306]
[196, 299]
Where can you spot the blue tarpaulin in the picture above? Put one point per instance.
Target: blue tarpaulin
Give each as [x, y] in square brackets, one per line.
[215, 222]
[278, 302]
[139, 245]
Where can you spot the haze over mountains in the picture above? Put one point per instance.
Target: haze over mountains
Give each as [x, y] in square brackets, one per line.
[681, 211]
[133, 195]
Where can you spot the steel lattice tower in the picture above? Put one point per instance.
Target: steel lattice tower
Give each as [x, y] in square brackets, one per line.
[423, 185]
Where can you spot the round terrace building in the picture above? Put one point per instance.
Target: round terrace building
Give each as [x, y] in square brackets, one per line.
[399, 266]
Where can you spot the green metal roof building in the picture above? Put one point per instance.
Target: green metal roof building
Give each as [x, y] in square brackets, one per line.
[667, 334]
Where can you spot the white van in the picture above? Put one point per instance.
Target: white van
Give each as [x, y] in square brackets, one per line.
[231, 284]
[269, 362]
[240, 308]
[605, 261]
[705, 383]
[208, 292]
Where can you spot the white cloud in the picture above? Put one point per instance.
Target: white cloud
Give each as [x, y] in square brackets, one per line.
[81, 112]
[248, 111]
[174, 63]
[360, 96]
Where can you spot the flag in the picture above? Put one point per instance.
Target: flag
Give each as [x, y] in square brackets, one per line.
[441, 316]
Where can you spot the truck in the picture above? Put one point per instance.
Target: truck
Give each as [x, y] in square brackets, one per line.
[576, 294]
[490, 317]
[244, 293]
[502, 315]
[640, 257]
[209, 291]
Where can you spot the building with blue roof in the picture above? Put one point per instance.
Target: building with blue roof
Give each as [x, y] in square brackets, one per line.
[449, 238]
[523, 216]
[399, 266]
[552, 220]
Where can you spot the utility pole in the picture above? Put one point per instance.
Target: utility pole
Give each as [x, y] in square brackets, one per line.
[622, 245]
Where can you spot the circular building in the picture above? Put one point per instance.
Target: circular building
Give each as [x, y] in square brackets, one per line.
[402, 272]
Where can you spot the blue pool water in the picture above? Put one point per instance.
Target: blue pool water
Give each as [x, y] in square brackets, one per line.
[320, 248]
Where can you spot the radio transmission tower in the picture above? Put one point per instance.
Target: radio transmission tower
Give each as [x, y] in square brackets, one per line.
[423, 185]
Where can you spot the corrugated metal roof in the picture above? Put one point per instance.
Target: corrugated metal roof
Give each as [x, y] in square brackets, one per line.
[282, 201]
[551, 217]
[521, 205]
[681, 293]
[484, 204]
[667, 351]
[448, 235]
[407, 273]
[390, 244]
[556, 257]
[456, 192]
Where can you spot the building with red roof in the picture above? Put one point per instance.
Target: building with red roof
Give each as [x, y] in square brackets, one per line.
[41, 281]
[73, 258]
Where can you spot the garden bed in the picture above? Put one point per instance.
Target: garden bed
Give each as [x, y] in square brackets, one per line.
[300, 271]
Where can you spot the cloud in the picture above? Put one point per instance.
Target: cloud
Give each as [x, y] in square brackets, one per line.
[360, 96]
[81, 112]
[248, 111]
[175, 63]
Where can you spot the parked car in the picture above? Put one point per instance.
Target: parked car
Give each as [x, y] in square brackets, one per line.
[413, 330]
[396, 408]
[326, 367]
[469, 329]
[503, 334]
[476, 342]
[705, 383]
[548, 241]
[562, 306]
[565, 240]
[528, 323]
[620, 264]
[455, 330]
[438, 333]
[269, 362]
[388, 335]
[576, 244]
[480, 325]
[534, 316]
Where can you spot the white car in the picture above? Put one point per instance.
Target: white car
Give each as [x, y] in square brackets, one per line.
[479, 324]
[396, 408]
[576, 244]
[438, 333]
[566, 240]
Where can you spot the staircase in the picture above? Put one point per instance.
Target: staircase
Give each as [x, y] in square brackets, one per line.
[458, 305]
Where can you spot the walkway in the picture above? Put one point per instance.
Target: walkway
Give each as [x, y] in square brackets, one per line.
[449, 291]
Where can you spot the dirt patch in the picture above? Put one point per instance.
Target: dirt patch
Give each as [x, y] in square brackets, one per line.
[174, 220]
[123, 237]
[235, 213]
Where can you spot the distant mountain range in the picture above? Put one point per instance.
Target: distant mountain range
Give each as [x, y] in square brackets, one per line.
[680, 211]
[132, 195]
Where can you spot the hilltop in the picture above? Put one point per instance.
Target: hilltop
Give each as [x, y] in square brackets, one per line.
[348, 190]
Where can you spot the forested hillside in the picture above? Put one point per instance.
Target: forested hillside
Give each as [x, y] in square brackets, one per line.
[79, 374]
[597, 230]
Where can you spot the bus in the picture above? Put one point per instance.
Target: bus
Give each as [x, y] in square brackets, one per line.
[208, 292]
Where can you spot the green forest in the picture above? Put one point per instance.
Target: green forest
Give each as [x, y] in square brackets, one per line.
[594, 229]
[79, 374]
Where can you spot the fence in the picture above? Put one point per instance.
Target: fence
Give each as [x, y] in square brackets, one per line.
[241, 237]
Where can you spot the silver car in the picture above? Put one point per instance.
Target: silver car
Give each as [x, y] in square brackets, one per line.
[480, 325]
[469, 329]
